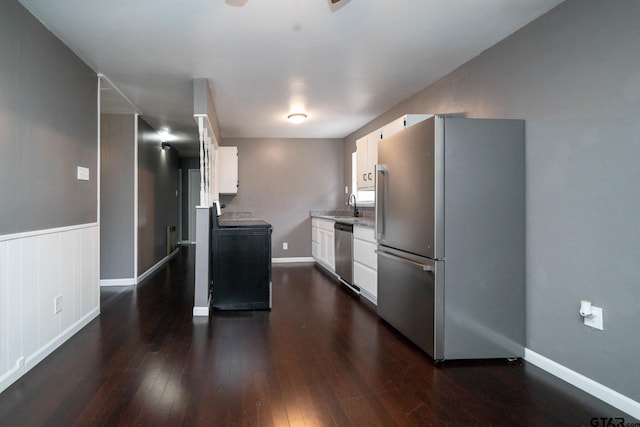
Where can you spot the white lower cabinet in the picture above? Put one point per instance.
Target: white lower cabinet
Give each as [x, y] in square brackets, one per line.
[322, 243]
[365, 262]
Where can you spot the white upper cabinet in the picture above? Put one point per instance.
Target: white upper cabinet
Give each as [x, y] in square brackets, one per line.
[401, 123]
[228, 170]
[366, 159]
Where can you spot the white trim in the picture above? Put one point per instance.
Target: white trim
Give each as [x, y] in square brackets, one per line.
[369, 296]
[159, 264]
[14, 374]
[294, 259]
[327, 268]
[117, 282]
[26, 234]
[200, 311]
[180, 213]
[191, 204]
[102, 76]
[586, 384]
[135, 195]
[98, 155]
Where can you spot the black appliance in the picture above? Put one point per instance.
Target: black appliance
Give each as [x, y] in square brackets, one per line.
[240, 264]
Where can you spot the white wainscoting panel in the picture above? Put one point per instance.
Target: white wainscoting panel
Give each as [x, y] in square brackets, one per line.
[35, 268]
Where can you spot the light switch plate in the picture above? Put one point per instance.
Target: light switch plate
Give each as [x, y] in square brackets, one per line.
[597, 320]
[83, 173]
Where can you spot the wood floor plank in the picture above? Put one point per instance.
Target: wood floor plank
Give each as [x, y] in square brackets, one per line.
[320, 357]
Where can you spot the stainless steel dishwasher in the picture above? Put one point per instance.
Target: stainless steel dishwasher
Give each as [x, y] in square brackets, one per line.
[344, 251]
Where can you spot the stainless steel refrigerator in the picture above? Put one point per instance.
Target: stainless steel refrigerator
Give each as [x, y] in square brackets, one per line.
[450, 225]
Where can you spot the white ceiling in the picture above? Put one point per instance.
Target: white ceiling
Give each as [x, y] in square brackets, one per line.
[343, 66]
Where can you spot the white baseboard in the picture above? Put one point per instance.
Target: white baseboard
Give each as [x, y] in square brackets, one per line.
[14, 374]
[369, 296]
[200, 311]
[294, 259]
[118, 282]
[586, 384]
[155, 268]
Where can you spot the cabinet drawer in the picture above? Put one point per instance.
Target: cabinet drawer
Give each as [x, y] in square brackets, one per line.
[365, 253]
[365, 278]
[364, 233]
[326, 224]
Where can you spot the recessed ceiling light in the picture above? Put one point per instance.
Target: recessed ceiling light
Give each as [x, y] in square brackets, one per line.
[297, 117]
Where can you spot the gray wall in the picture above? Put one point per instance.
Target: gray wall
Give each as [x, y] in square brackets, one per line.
[574, 76]
[158, 202]
[203, 104]
[282, 179]
[186, 163]
[48, 127]
[117, 195]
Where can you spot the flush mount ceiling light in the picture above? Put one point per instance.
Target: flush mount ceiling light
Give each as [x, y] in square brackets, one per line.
[297, 117]
[240, 3]
[165, 135]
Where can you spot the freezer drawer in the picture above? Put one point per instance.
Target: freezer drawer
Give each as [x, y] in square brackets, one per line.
[410, 298]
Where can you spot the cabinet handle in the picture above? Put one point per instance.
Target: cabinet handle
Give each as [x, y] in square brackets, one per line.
[369, 176]
[364, 176]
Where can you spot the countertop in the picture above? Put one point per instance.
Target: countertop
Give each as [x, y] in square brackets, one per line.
[344, 217]
[241, 220]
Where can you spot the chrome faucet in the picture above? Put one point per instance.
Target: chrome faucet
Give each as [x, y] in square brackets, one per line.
[355, 204]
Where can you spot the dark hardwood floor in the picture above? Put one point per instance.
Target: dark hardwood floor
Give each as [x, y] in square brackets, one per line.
[321, 357]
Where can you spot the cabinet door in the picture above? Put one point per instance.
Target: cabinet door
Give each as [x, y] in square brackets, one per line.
[393, 127]
[228, 170]
[331, 251]
[372, 159]
[362, 155]
[315, 239]
[322, 246]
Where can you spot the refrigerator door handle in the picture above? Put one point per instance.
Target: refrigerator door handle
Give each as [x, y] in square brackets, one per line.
[423, 267]
[380, 184]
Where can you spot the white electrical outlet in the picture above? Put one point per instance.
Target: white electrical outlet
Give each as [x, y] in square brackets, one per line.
[83, 173]
[285, 246]
[57, 304]
[346, 190]
[595, 321]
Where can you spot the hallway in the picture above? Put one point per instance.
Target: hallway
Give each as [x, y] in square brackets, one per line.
[321, 357]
